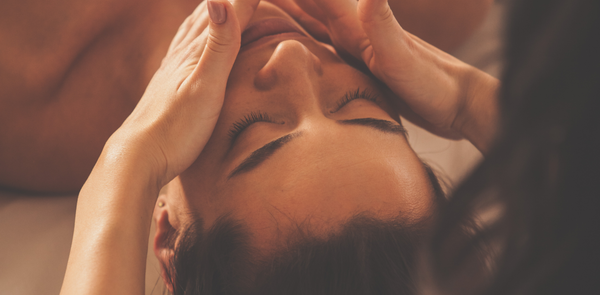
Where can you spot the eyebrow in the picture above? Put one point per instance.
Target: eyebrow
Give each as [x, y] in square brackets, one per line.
[263, 153]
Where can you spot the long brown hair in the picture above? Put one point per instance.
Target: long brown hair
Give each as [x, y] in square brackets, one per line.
[541, 181]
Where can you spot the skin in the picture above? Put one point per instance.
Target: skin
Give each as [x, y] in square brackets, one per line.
[428, 20]
[68, 81]
[444, 24]
[337, 169]
[433, 89]
[116, 202]
[72, 71]
[323, 176]
[177, 129]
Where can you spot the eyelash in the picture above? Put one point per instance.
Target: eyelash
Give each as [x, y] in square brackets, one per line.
[255, 117]
[245, 122]
[356, 94]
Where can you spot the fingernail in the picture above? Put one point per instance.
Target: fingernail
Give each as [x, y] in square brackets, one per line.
[217, 12]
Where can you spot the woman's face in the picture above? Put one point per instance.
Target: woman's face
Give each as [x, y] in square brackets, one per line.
[321, 148]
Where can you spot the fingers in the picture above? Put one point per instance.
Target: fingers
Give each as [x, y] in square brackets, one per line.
[313, 26]
[337, 9]
[340, 17]
[224, 39]
[195, 24]
[244, 9]
[184, 29]
[312, 9]
[222, 46]
[381, 27]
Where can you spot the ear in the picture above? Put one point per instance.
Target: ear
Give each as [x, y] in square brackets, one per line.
[164, 238]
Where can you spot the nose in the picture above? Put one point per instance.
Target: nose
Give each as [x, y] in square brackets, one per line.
[290, 62]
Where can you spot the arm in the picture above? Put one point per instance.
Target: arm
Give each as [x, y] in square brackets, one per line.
[155, 143]
[478, 121]
[112, 225]
[433, 89]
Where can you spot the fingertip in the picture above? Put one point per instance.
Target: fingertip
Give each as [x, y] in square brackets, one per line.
[244, 10]
[224, 22]
[378, 20]
[222, 46]
[217, 11]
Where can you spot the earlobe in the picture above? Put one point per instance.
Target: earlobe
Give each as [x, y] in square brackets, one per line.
[164, 240]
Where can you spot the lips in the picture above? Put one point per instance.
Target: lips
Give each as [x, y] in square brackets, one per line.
[268, 27]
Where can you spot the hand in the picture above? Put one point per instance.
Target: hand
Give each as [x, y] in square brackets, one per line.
[434, 89]
[176, 116]
[163, 136]
[309, 23]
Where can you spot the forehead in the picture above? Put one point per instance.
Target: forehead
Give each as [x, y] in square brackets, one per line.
[321, 179]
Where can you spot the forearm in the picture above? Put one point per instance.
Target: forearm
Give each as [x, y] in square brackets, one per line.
[160, 139]
[112, 225]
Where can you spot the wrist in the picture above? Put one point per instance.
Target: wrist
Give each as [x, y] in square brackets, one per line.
[131, 157]
[477, 120]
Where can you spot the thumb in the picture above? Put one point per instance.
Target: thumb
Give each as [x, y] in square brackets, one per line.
[222, 46]
[244, 10]
[381, 27]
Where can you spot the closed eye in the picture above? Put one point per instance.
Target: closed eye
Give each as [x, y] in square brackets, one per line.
[240, 125]
[353, 95]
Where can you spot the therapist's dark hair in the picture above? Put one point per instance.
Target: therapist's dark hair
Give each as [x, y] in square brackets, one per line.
[540, 185]
[366, 256]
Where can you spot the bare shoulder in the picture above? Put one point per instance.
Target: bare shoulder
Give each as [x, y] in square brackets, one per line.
[41, 38]
[70, 73]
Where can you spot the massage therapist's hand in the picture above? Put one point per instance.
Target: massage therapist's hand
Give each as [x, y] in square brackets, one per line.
[309, 23]
[177, 114]
[437, 91]
[162, 137]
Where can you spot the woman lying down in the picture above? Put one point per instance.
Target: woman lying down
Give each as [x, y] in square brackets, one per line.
[288, 170]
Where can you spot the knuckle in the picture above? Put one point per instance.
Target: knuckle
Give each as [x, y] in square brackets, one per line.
[221, 44]
[377, 15]
[387, 16]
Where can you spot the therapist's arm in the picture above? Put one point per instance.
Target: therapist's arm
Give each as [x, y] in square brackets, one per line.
[155, 144]
[112, 226]
[479, 116]
[433, 89]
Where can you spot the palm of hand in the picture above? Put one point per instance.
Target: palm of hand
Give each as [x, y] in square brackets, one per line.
[176, 116]
[425, 79]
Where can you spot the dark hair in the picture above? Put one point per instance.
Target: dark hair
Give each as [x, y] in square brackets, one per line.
[541, 180]
[366, 256]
